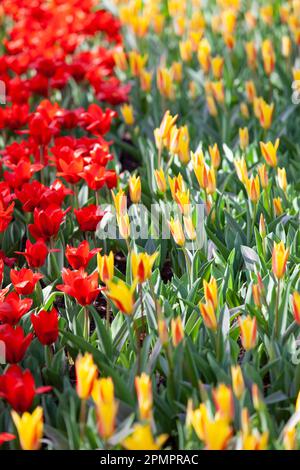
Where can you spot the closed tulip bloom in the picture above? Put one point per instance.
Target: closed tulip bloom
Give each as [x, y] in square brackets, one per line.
[211, 105]
[86, 374]
[281, 178]
[278, 210]
[198, 418]
[145, 79]
[183, 145]
[79, 257]
[135, 188]
[124, 226]
[286, 46]
[186, 50]
[141, 265]
[263, 175]
[183, 200]
[143, 386]
[218, 91]
[251, 54]
[244, 138]
[165, 83]
[177, 331]
[290, 438]
[160, 180]
[296, 306]
[121, 295]
[215, 156]
[13, 308]
[142, 439]
[262, 226]
[217, 64]
[127, 114]
[166, 125]
[24, 280]
[105, 267]
[30, 428]
[189, 228]
[177, 231]
[211, 291]
[176, 70]
[241, 169]
[203, 55]
[176, 184]
[163, 331]
[269, 151]
[250, 91]
[265, 114]
[248, 330]
[137, 62]
[253, 188]
[15, 342]
[209, 316]
[280, 257]
[244, 110]
[45, 326]
[120, 202]
[223, 400]
[238, 384]
[120, 59]
[106, 406]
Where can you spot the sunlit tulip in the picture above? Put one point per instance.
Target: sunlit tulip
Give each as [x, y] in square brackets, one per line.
[165, 83]
[189, 228]
[142, 439]
[211, 291]
[143, 386]
[266, 13]
[269, 152]
[280, 257]
[223, 400]
[218, 91]
[145, 79]
[281, 178]
[163, 132]
[251, 54]
[241, 169]
[248, 330]
[286, 46]
[135, 188]
[120, 202]
[217, 433]
[137, 62]
[277, 206]
[296, 306]
[211, 105]
[183, 200]
[177, 331]
[262, 226]
[217, 64]
[106, 406]
[163, 331]
[127, 114]
[141, 265]
[105, 267]
[238, 384]
[186, 50]
[30, 428]
[204, 55]
[268, 55]
[120, 59]
[250, 91]
[183, 144]
[176, 70]
[121, 295]
[244, 110]
[176, 184]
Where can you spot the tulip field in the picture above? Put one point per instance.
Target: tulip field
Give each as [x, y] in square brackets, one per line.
[149, 225]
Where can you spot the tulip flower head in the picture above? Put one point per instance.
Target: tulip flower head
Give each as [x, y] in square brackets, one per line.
[238, 384]
[269, 152]
[143, 386]
[106, 406]
[177, 331]
[105, 267]
[248, 330]
[141, 265]
[30, 428]
[280, 257]
[45, 326]
[121, 295]
[142, 439]
[86, 374]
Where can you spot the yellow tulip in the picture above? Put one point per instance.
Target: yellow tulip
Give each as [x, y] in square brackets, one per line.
[145, 79]
[204, 50]
[120, 202]
[106, 406]
[183, 200]
[223, 399]
[121, 295]
[253, 188]
[265, 114]
[217, 433]
[160, 180]
[86, 374]
[281, 178]
[296, 306]
[176, 70]
[211, 291]
[241, 169]
[278, 210]
[176, 184]
[211, 105]
[142, 439]
[120, 59]
[250, 91]
[137, 63]
[209, 316]
[218, 91]
[165, 83]
[215, 156]
[186, 50]
[135, 188]
[244, 138]
[269, 152]
[143, 386]
[105, 267]
[263, 175]
[280, 257]
[217, 64]
[262, 226]
[189, 228]
[248, 332]
[290, 438]
[251, 54]
[286, 46]
[141, 265]
[238, 384]
[124, 225]
[127, 114]
[30, 428]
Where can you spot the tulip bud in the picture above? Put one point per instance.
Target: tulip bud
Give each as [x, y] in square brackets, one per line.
[223, 400]
[238, 384]
[143, 388]
[281, 178]
[262, 226]
[106, 406]
[177, 331]
[289, 438]
[280, 257]
[105, 267]
[163, 331]
[215, 156]
[296, 307]
[141, 265]
[160, 180]
[244, 138]
[177, 231]
[127, 114]
[86, 374]
[248, 332]
[135, 189]
[277, 206]
[209, 316]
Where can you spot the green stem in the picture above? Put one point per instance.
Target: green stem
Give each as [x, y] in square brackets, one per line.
[276, 327]
[86, 326]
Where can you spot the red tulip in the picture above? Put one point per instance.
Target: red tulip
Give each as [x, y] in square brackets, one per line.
[78, 284]
[16, 343]
[24, 280]
[97, 121]
[35, 253]
[39, 128]
[21, 173]
[1, 270]
[80, 257]
[30, 195]
[18, 388]
[47, 222]
[5, 437]
[45, 326]
[88, 217]
[6, 214]
[12, 308]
